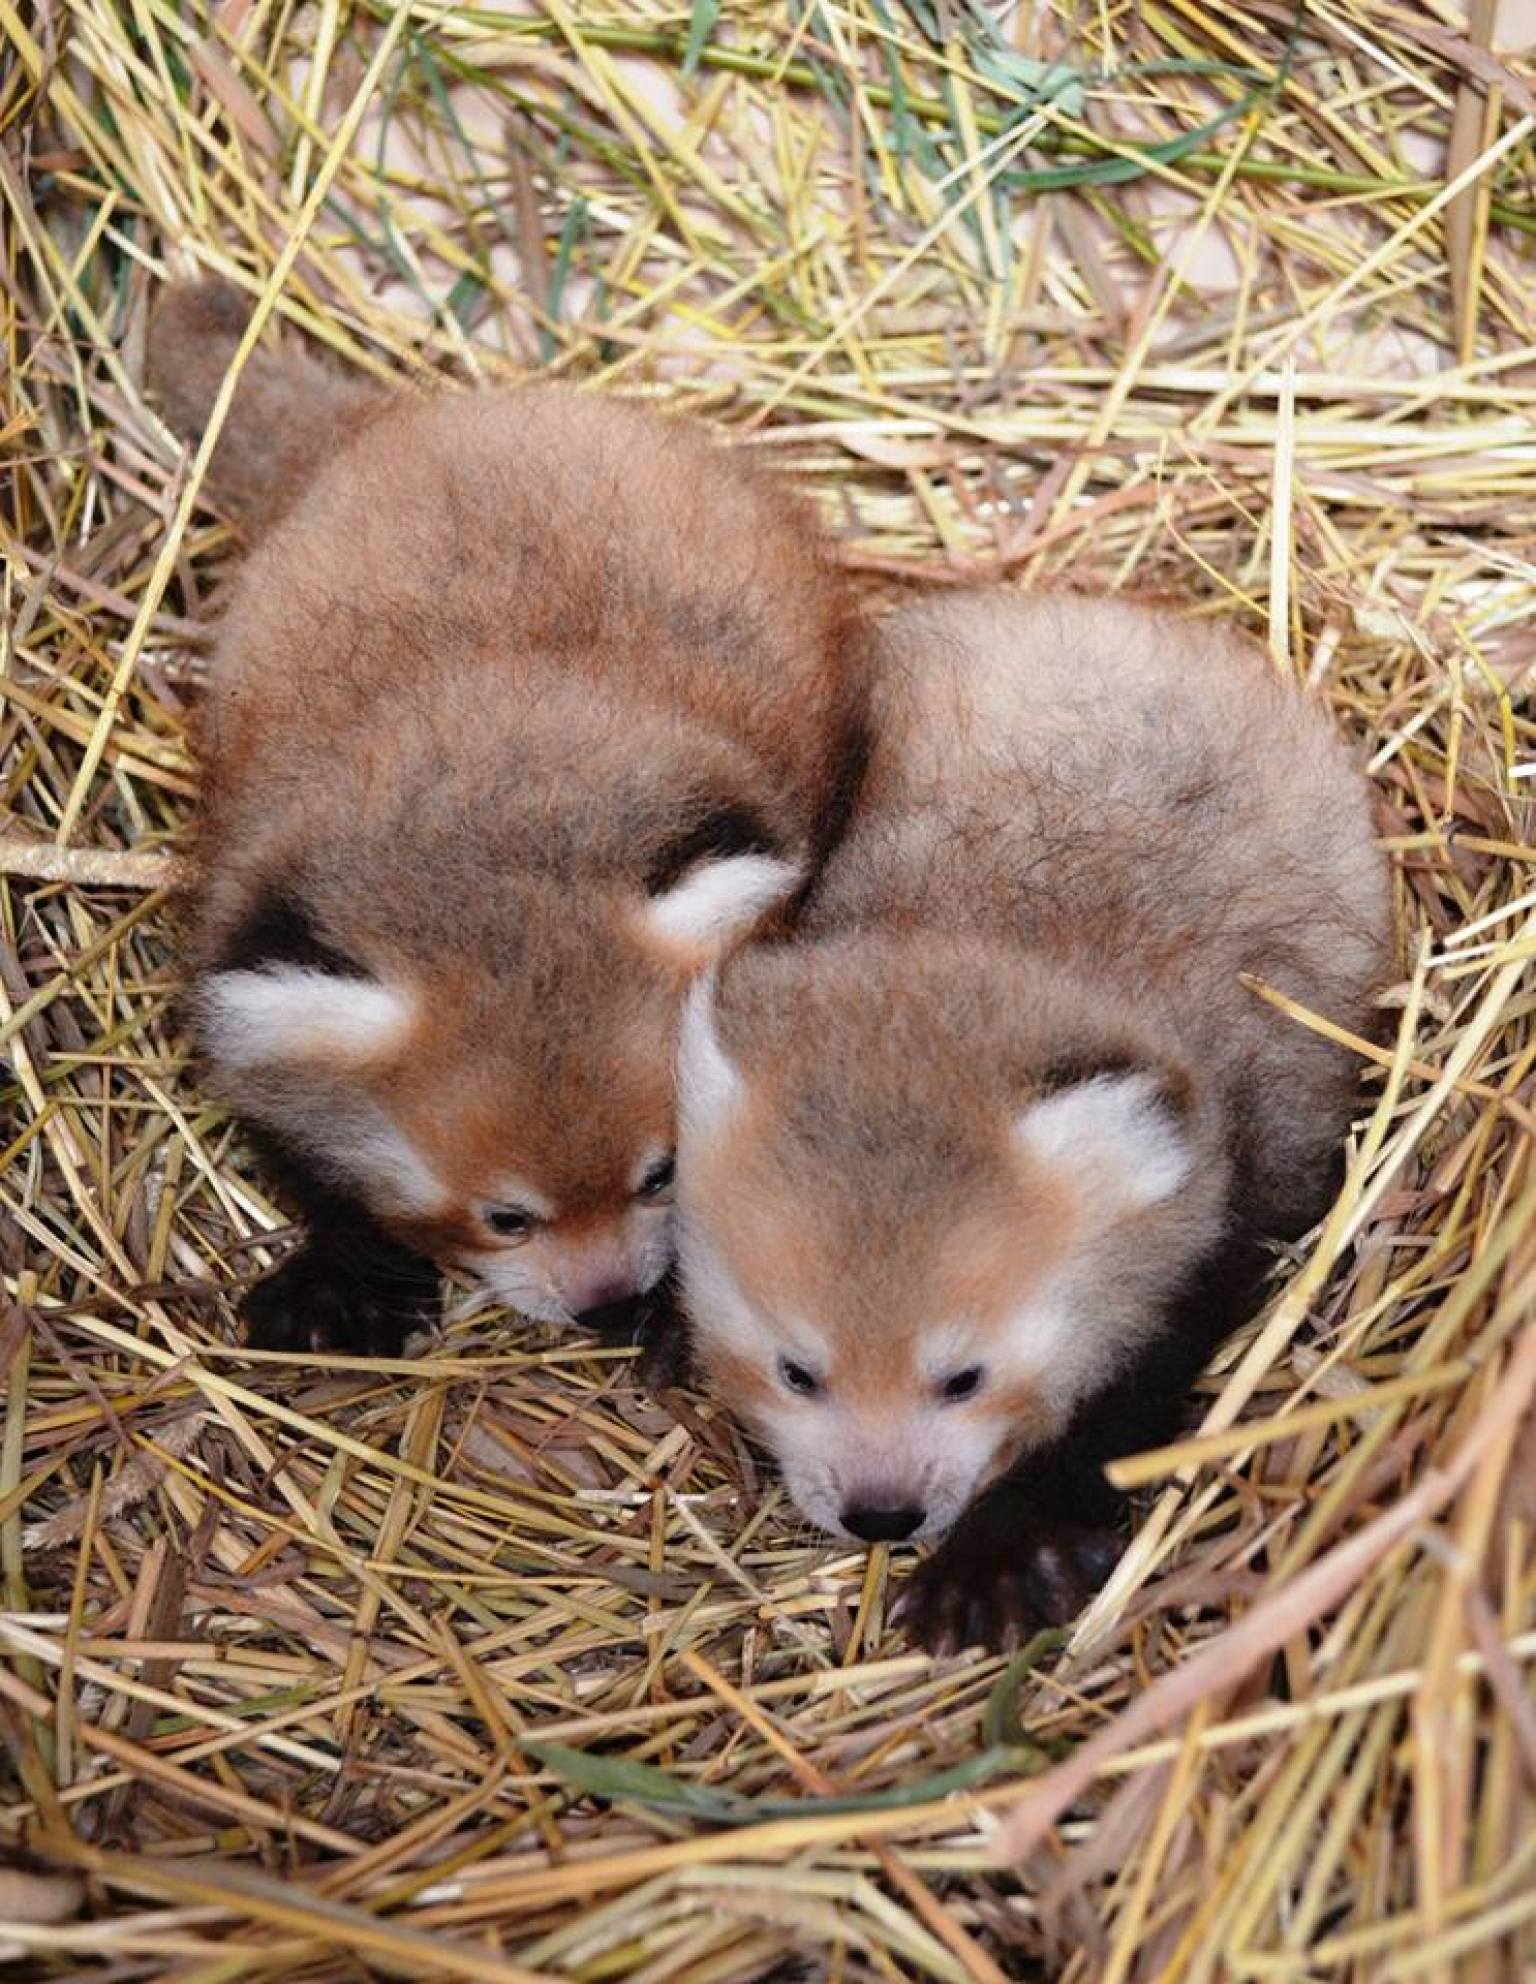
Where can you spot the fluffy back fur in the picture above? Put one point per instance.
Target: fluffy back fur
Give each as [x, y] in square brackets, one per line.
[1139, 798]
[950, 1160]
[525, 704]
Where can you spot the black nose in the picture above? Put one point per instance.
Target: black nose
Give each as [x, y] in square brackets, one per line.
[883, 1525]
[614, 1321]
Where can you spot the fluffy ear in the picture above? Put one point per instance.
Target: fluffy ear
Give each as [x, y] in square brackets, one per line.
[718, 901]
[290, 1013]
[1123, 1132]
[708, 1086]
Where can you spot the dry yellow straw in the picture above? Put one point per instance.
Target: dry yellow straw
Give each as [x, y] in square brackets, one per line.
[1209, 304]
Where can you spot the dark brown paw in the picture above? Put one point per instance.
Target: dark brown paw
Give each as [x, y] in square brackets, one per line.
[319, 1301]
[665, 1362]
[982, 1588]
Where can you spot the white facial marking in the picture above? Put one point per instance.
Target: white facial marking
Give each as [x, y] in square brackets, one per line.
[513, 1193]
[656, 1247]
[835, 1457]
[287, 1013]
[708, 1086]
[714, 1297]
[519, 1284]
[1116, 1131]
[950, 1347]
[1050, 1342]
[720, 900]
[370, 1147]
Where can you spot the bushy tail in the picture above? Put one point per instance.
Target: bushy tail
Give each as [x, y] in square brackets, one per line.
[290, 414]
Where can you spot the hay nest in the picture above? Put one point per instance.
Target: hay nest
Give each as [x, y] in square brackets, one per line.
[479, 1664]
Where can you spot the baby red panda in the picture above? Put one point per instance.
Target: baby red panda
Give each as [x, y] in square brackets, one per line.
[976, 1171]
[525, 704]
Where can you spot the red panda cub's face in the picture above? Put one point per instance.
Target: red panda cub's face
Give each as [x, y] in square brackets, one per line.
[563, 1212]
[507, 1113]
[905, 1260]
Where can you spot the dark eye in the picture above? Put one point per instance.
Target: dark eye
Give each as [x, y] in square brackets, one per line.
[798, 1378]
[509, 1222]
[964, 1384]
[658, 1179]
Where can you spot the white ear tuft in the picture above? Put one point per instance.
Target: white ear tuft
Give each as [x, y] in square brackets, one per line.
[708, 1086]
[720, 900]
[1117, 1130]
[288, 1013]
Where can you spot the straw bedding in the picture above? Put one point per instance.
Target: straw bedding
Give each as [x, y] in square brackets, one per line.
[482, 1663]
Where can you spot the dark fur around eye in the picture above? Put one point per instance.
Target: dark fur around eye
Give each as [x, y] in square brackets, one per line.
[280, 928]
[798, 1379]
[721, 833]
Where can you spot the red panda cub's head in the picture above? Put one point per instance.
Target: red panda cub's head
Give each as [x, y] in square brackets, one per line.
[928, 1197]
[503, 1105]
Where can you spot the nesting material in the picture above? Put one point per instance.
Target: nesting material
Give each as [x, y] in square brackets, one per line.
[482, 1664]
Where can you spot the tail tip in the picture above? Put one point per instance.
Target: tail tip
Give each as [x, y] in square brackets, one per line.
[190, 320]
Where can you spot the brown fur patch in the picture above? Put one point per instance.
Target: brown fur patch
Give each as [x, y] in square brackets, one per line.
[496, 655]
[1082, 821]
[741, 1381]
[877, 1306]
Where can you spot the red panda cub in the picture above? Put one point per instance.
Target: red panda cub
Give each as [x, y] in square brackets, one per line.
[525, 704]
[977, 1169]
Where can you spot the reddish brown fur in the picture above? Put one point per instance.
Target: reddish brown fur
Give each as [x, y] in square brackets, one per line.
[986, 1256]
[1135, 798]
[1005, 1106]
[494, 653]
[490, 584]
